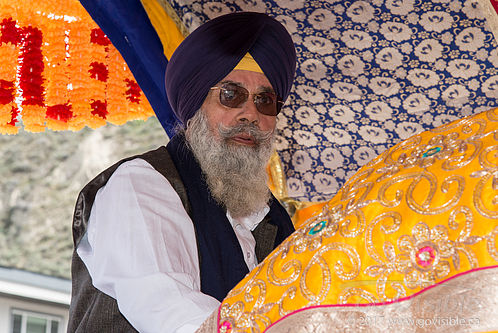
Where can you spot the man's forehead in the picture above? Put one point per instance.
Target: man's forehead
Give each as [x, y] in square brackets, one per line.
[248, 79]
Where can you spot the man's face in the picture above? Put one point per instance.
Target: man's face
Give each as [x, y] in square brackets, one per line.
[218, 114]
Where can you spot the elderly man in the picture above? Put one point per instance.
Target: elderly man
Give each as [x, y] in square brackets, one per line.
[162, 237]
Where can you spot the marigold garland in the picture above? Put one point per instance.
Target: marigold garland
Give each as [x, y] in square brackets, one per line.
[9, 52]
[60, 71]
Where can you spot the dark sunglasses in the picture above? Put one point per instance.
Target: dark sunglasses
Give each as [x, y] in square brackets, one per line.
[234, 96]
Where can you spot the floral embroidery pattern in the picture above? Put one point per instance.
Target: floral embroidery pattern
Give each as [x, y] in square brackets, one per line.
[418, 215]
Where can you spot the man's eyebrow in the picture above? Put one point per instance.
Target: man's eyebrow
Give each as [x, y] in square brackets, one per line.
[232, 82]
[266, 89]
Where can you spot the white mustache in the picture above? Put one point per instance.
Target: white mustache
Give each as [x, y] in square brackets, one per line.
[248, 128]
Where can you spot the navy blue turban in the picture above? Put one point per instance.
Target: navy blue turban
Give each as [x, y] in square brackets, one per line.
[212, 51]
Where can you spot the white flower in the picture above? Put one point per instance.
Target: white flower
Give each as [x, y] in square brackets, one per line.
[341, 113]
[307, 116]
[282, 122]
[440, 65]
[394, 102]
[493, 57]
[384, 86]
[305, 138]
[407, 129]
[472, 10]
[429, 50]
[442, 119]
[215, 9]
[325, 84]
[351, 65]
[289, 23]
[456, 95]
[412, 18]
[322, 19]
[329, 61]
[401, 73]
[310, 94]
[280, 143]
[490, 87]
[346, 151]
[389, 58]
[339, 173]
[331, 158]
[447, 37]
[357, 106]
[313, 69]
[295, 187]
[356, 39]
[191, 21]
[252, 6]
[455, 6]
[389, 125]
[473, 84]
[427, 118]
[463, 68]
[301, 161]
[339, 9]
[470, 39]
[482, 54]
[400, 7]
[373, 134]
[395, 31]
[352, 127]
[362, 80]
[318, 45]
[417, 104]
[289, 4]
[423, 77]
[436, 21]
[360, 12]
[308, 176]
[433, 93]
[379, 111]
[346, 91]
[325, 183]
[337, 135]
[373, 26]
[318, 129]
[363, 155]
[406, 48]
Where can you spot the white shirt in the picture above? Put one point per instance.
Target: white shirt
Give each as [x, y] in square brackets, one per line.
[140, 249]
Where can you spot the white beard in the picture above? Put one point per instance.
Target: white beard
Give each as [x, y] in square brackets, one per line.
[235, 174]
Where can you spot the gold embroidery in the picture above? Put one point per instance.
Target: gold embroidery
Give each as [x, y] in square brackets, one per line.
[421, 213]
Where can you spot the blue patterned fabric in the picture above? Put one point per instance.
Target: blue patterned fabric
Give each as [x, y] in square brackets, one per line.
[370, 74]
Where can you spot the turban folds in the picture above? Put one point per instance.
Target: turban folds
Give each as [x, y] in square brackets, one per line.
[212, 51]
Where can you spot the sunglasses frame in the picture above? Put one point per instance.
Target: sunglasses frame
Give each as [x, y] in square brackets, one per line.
[278, 101]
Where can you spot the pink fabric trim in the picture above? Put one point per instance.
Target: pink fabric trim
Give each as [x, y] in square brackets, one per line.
[373, 304]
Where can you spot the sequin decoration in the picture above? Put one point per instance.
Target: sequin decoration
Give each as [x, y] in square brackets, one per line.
[318, 227]
[412, 218]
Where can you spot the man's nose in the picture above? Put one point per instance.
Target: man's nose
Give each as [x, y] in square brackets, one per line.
[249, 112]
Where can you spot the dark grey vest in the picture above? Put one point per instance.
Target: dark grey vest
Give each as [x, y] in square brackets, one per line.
[94, 311]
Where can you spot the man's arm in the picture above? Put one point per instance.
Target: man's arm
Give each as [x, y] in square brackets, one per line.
[140, 249]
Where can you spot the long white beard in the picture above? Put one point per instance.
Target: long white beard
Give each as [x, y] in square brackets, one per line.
[235, 174]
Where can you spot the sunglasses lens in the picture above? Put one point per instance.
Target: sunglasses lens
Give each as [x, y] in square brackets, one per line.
[233, 96]
[266, 103]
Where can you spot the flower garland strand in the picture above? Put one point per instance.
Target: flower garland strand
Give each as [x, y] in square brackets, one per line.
[9, 52]
[59, 70]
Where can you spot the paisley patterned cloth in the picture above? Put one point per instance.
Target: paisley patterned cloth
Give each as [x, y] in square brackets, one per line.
[418, 223]
[370, 74]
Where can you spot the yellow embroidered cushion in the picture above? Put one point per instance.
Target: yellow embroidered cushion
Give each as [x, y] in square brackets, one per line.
[423, 214]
